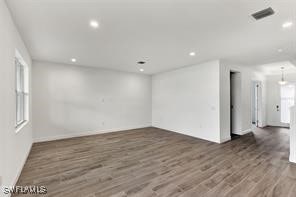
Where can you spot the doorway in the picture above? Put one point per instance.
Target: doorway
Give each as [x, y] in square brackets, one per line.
[235, 103]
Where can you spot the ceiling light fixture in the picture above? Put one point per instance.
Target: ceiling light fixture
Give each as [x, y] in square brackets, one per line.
[287, 24]
[282, 81]
[192, 54]
[94, 24]
[73, 60]
[141, 69]
[280, 50]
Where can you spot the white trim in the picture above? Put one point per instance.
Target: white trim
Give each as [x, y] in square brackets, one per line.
[19, 171]
[24, 91]
[292, 159]
[87, 133]
[292, 133]
[225, 139]
[20, 58]
[201, 138]
[20, 126]
[282, 125]
[246, 131]
[243, 132]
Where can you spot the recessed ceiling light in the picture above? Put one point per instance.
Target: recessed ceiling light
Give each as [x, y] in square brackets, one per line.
[73, 60]
[192, 53]
[280, 50]
[94, 24]
[287, 24]
[141, 69]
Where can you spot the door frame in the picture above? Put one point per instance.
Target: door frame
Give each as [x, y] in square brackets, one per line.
[235, 102]
[256, 87]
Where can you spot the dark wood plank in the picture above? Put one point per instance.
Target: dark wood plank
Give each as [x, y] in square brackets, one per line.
[151, 162]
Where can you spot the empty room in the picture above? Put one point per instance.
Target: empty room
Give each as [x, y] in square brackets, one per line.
[147, 98]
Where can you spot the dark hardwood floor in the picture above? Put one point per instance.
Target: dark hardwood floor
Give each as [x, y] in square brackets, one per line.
[154, 162]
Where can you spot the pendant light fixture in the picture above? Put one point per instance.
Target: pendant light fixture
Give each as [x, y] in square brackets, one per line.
[282, 81]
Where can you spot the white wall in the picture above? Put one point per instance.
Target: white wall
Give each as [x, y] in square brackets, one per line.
[14, 146]
[186, 100]
[74, 100]
[274, 98]
[195, 100]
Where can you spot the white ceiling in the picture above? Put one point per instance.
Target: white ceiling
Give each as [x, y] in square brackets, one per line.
[275, 68]
[161, 32]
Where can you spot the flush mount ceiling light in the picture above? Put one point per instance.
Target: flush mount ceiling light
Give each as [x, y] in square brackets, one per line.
[94, 24]
[73, 60]
[280, 50]
[192, 54]
[282, 81]
[141, 69]
[287, 24]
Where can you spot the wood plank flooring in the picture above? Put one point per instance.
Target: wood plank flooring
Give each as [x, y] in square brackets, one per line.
[154, 162]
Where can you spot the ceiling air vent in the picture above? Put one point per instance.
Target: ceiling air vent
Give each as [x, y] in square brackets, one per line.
[263, 13]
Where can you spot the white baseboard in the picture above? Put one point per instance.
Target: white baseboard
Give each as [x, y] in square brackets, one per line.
[19, 171]
[218, 141]
[279, 125]
[225, 139]
[292, 159]
[243, 132]
[246, 131]
[87, 133]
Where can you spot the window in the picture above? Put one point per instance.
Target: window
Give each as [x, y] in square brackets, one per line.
[21, 91]
[287, 101]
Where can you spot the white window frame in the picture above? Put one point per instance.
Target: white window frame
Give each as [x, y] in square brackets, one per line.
[21, 92]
